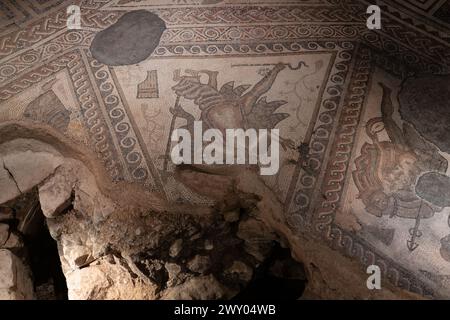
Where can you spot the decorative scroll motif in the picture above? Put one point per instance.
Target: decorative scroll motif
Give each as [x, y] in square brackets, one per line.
[43, 47]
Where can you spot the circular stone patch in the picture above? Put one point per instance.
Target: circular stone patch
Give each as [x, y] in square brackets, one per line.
[130, 40]
[435, 188]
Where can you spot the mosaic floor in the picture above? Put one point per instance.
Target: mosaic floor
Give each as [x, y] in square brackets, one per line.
[364, 114]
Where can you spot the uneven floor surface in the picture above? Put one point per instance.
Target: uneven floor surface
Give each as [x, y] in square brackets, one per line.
[86, 116]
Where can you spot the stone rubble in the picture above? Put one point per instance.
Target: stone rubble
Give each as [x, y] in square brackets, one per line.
[15, 278]
[119, 241]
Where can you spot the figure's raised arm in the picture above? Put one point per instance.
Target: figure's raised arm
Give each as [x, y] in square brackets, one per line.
[264, 85]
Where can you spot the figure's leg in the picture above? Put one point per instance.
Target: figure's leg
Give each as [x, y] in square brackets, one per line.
[264, 85]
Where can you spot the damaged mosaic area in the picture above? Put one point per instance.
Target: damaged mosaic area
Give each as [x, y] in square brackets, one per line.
[86, 117]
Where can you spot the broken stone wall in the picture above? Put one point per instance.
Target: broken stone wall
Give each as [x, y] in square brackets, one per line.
[15, 278]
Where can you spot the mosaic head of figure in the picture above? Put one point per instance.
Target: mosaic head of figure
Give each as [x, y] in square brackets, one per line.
[402, 174]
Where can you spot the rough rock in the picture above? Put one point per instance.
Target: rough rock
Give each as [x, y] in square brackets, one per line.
[6, 214]
[231, 216]
[76, 255]
[209, 245]
[4, 233]
[154, 270]
[7, 269]
[138, 232]
[73, 177]
[199, 264]
[14, 241]
[7, 185]
[55, 193]
[30, 168]
[90, 201]
[253, 230]
[55, 228]
[216, 187]
[87, 283]
[10, 295]
[176, 248]
[241, 270]
[15, 279]
[257, 236]
[174, 271]
[288, 269]
[108, 281]
[198, 288]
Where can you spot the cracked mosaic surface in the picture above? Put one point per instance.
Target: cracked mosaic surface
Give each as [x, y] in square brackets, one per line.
[366, 103]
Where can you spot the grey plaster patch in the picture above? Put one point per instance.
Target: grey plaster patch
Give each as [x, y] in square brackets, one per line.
[434, 187]
[130, 40]
[384, 235]
[425, 103]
